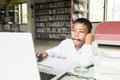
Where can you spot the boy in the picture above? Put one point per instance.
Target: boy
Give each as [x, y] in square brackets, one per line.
[79, 48]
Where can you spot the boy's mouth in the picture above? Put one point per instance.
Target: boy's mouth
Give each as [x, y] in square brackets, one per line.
[81, 41]
[77, 39]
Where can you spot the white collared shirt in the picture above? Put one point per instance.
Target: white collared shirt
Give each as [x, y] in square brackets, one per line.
[66, 49]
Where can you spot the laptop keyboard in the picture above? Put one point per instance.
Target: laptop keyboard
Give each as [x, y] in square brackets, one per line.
[46, 76]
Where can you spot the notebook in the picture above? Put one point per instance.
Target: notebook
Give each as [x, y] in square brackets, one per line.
[17, 57]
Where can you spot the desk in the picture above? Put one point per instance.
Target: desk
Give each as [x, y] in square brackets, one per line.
[106, 66]
[60, 71]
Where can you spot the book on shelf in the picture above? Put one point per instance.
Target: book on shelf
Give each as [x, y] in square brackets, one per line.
[80, 7]
[76, 7]
[76, 16]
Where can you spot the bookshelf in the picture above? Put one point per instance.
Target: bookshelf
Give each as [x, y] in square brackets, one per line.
[52, 19]
[2, 13]
[9, 16]
[10, 12]
[79, 9]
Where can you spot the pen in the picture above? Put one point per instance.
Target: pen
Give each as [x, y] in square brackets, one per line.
[46, 66]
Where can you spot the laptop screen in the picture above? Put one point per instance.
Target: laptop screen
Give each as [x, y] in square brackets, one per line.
[17, 57]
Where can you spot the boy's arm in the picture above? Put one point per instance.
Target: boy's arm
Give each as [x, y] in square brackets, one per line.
[86, 55]
[89, 49]
[56, 51]
[42, 54]
[89, 38]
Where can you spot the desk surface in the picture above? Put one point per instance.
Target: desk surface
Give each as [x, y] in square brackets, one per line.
[58, 71]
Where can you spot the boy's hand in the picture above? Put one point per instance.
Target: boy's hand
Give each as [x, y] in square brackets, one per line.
[42, 54]
[89, 38]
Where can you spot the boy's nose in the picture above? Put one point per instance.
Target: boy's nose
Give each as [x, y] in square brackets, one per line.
[77, 34]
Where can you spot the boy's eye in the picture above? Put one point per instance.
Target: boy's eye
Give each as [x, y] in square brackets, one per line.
[81, 31]
[73, 30]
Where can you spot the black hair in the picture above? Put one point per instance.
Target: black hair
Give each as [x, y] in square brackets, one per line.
[85, 22]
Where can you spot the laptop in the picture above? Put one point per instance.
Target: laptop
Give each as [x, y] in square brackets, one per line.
[17, 57]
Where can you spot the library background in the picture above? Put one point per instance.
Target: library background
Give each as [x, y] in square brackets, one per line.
[51, 19]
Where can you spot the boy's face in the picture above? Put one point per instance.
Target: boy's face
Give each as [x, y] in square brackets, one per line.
[78, 33]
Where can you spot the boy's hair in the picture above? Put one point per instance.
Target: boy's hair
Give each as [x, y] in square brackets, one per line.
[85, 22]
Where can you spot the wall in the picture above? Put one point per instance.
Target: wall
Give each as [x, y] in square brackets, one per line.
[94, 27]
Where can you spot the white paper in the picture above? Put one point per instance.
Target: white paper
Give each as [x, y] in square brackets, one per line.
[56, 63]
